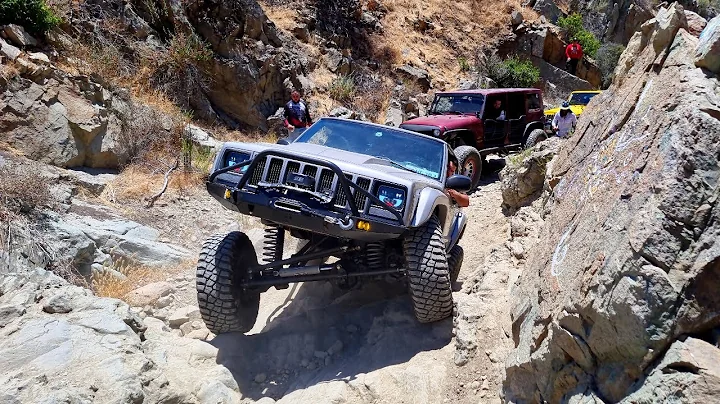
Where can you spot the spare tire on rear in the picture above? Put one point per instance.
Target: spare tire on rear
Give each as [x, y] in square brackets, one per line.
[223, 263]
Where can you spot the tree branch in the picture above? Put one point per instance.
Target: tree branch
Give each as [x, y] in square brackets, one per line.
[152, 199]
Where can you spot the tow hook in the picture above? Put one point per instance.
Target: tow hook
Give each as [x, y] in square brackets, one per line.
[343, 225]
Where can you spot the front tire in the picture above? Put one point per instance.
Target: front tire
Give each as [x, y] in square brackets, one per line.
[224, 305]
[536, 136]
[455, 260]
[428, 273]
[470, 163]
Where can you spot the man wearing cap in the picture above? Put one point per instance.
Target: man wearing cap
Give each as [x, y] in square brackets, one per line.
[564, 120]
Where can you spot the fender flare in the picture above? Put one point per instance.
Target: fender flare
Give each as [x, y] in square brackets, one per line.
[457, 229]
[430, 201]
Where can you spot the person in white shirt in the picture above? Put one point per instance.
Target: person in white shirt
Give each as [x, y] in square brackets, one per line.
[564, 120]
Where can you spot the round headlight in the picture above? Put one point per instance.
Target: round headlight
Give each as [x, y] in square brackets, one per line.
[436, 132]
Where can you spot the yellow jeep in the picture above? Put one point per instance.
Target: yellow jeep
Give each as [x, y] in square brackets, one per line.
[578, 100]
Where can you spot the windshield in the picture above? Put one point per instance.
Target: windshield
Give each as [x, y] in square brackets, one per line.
[412, 152]
[581, 98]
[457, 104]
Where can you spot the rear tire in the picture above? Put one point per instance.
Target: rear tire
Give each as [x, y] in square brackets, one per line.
[224, 305]
[470, 163]
[428, 274]
[536, 136]
[455, 260]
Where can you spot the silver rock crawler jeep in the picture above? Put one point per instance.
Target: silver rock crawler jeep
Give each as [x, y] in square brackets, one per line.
[369, 200]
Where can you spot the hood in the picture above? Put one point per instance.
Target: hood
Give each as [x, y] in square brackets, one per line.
[443, 121]
[349, 162]
[576, 109]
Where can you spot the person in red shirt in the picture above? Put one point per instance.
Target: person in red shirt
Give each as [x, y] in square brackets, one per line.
[297, 115]
[574, 54]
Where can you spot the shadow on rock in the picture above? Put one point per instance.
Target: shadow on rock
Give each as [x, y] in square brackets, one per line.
[325, 335]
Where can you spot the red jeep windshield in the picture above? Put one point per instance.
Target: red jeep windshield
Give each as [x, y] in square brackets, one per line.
[457, 104]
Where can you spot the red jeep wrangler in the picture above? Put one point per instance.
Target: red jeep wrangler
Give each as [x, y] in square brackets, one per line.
[479, 122]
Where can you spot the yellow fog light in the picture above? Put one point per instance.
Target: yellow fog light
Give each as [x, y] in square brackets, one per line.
[227, 194]
[363, 225]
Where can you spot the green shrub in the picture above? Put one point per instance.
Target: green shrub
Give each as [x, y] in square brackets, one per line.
[342, 88]
[464, 64]
[33, 15]
[607, 59]
[573, 24]
[509, 73]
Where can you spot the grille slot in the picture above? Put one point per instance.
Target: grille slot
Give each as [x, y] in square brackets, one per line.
[310, 171]
[257, 174]
[342, 199]
[327, 177]
[274, 171]
[360, 199]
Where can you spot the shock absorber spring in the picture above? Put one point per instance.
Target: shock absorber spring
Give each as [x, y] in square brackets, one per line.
[273, 243]
[375, 255]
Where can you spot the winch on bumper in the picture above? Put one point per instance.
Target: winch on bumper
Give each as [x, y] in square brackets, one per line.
[304, 209]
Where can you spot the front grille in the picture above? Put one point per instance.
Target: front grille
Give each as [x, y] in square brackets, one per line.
[274, 170]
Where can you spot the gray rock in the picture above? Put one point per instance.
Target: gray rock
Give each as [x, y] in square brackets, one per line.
[149, 294]
[417, 75]
[59, 304]
[39, 58]
[301, 32]
[696, 23]
[183, 315]
[393, 114]
[467, 313]
[708, 49]
[17, 35]
[522, 181]
[265, 400]
[200, 334]
[202, 138]
[8, 314]
[516, 18]
[8, 50]
[548, 9]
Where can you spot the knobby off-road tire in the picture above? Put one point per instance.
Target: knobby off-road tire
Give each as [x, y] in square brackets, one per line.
[536, 136]
[469, 156]
[455, 260]
[428, 274]
[224, 306]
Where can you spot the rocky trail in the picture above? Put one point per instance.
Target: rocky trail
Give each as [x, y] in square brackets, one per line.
[312, 342]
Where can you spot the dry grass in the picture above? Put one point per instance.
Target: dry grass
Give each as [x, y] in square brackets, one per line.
[282, 16]
[108, 284]
[136, 183]
[8, 71]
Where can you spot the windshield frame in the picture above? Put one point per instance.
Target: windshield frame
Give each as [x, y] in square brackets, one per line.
[436, 99]
[583, 96]
[371, 127]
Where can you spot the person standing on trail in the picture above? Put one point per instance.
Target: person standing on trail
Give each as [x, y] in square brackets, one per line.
[574, 54]
[297, 115]
[564, 120]
[460, 198]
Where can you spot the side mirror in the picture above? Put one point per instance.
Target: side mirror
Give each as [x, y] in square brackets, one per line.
[283, 141]
[460, 183]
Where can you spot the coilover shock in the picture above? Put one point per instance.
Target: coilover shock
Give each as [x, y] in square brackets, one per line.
[273, 243]
[375, 255]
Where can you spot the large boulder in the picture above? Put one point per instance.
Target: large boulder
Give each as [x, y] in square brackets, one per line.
[66, 121]
[696, 23]
[614, 21]
[630, 261]
[523, 177]
[708, 51]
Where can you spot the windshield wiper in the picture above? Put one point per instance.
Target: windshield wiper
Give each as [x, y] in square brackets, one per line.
[396, 164]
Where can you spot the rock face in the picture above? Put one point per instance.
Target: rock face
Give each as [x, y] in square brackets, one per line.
[63, 120]
[630, 261]
[614, 21]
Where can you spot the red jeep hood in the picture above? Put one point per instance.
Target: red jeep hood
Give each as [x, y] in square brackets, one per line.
[447, 121]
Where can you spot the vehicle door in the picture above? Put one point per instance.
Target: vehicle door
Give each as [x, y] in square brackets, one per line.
[495, 130]
[517, 116]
